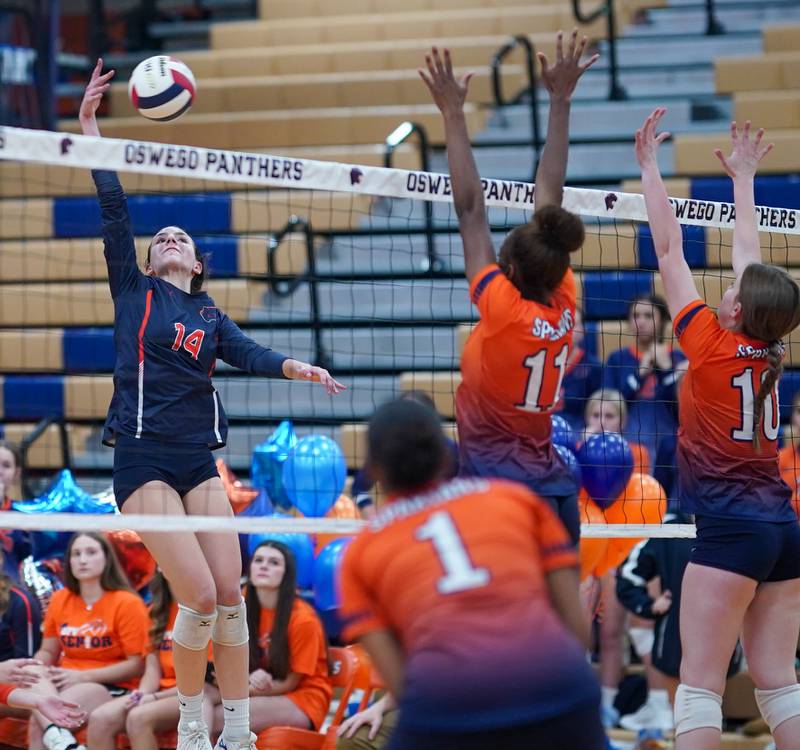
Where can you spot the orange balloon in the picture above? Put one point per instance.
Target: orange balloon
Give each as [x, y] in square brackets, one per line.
[239, 495]
[343, 508]
[136, 561]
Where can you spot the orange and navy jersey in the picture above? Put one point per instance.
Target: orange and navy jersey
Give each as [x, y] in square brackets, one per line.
[113, 629]
[458, 576]
[720, 472]
[308, 657]
[512, 370]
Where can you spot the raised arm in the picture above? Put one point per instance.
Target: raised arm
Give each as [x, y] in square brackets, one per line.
[560, 81]
[741, 167]
[449, 95]
[667, 237]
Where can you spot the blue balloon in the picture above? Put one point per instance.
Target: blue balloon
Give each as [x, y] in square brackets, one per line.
[326, 574]
[261, 506]
[562, 433]
[314, 474]
[268, 459]
[302, 548]
[607, 464]
[63, 496]
[568, 457]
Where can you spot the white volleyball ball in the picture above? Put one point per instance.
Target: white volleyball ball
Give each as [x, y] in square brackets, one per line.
[161, 88]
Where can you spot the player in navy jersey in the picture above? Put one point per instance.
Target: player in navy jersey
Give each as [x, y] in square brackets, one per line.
[744, 571]
[165, 418]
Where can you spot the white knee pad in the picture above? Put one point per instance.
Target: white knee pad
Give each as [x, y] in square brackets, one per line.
[778, 705]
[193, 629]
[231, 627]
[696, 708]
[642, 640]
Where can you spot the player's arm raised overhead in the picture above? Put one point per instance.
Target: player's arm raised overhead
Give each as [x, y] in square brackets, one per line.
[741, 167]
[560, 80]
[667, 237]
[449, 95]
[98, 84]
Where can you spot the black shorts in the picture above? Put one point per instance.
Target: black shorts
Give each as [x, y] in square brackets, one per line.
[566, 508]
[115, 690]
[578, 730]
[180, 465]
[762, 550]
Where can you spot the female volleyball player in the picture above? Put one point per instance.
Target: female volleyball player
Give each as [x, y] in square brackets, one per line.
[515, 359]
[744, 573]
[471, 616]
[164, 418]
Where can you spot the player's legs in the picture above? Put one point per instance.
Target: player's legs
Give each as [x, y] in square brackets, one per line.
[181, 558]
[769, 637]
[713, 605]
[231, 651]
[105, 722]
[143, 722]
[612, 629]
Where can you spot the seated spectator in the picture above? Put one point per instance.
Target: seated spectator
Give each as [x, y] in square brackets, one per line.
[20, 620]
[644, 373]
[153, 706]
[16, 543]
[789, 456]
[363, 483]
[95, 631]
[583, 377]
[369, 729]
[289, 678]
[606, 411]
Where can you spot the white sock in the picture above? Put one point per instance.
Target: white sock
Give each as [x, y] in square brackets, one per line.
[659, 699]
[237, 720]
[191, 709]
[607, 696]
[56, 738]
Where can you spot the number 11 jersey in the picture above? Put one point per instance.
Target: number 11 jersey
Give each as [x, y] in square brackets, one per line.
[511, 373]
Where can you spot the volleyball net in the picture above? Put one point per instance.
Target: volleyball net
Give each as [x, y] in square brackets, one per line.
[357, 268]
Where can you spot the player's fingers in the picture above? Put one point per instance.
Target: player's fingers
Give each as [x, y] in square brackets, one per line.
[559, 47]
[591, 61]
[746, 133]
[759, 135]
[573, 38]
[448, 62]
[661, 137]
[734, 131]
[718, 153]
[427, 81]
[437, 61]
[580, 48]
[466, 78]
[375, 725]
[764, 151]
[542, 61]
[431, 68]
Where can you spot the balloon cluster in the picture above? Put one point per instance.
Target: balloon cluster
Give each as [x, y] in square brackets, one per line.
[611, 493]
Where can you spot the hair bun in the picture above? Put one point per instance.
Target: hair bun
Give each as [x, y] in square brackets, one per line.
[560, 228]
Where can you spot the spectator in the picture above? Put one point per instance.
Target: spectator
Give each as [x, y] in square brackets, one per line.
[15, 544]
[645, 374]
[371, 728]
[583, 377]
[789, 455]
[95, 630]
[153, 707]
[289, 679]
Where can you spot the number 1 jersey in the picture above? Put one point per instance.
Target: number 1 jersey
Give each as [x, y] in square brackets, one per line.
[512, 369]
[720, 472]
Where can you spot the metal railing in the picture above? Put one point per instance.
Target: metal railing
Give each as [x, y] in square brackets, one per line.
[26, 444]
[531, 90]
[616, 91]
[285, 285]
[400, 135]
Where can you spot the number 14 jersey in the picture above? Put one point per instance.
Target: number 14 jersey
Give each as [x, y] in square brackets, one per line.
[721, 473]
[512, 369]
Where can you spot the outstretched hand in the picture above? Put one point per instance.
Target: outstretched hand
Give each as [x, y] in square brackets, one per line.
[561, 78]
[97, 86]
[746, 152]
[647, 142]
[295, 370]
[448, 93]
[60, 712]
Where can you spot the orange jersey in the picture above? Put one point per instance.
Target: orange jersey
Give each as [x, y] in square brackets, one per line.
[720, 472]
[458, 575]
[512, 370]
[308, 657]
[114, 628]
[165, 660]
[5, 691]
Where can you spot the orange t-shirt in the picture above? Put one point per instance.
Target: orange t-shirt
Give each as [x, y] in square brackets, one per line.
[114, 628]
[5, 691]
[165, 659]
[308, 656]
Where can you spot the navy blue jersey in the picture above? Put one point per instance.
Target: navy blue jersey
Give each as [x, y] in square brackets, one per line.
[167, 343]
[20, 626]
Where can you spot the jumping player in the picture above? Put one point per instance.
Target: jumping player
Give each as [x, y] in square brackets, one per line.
[744, 572]
[515, 359]
[164, 420]
[433, 586]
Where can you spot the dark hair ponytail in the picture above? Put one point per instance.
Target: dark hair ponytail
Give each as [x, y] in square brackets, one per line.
[771, 375]
[538, 252]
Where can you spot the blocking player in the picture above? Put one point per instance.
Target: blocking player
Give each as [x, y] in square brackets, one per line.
[744, 573]
[465, 594]
[515, 359]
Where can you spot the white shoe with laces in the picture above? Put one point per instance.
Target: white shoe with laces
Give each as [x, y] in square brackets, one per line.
[193, 737]
[58, 738]
[223, 744]
[649, 716]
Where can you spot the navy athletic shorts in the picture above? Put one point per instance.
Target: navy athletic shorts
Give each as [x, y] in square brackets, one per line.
[762, 550]
[180, 465]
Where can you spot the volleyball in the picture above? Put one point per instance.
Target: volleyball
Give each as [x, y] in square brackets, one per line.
[161, 88]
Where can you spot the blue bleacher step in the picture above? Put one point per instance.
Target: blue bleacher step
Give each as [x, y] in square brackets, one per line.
[673, 82]
[698, 50]
[691, 21]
